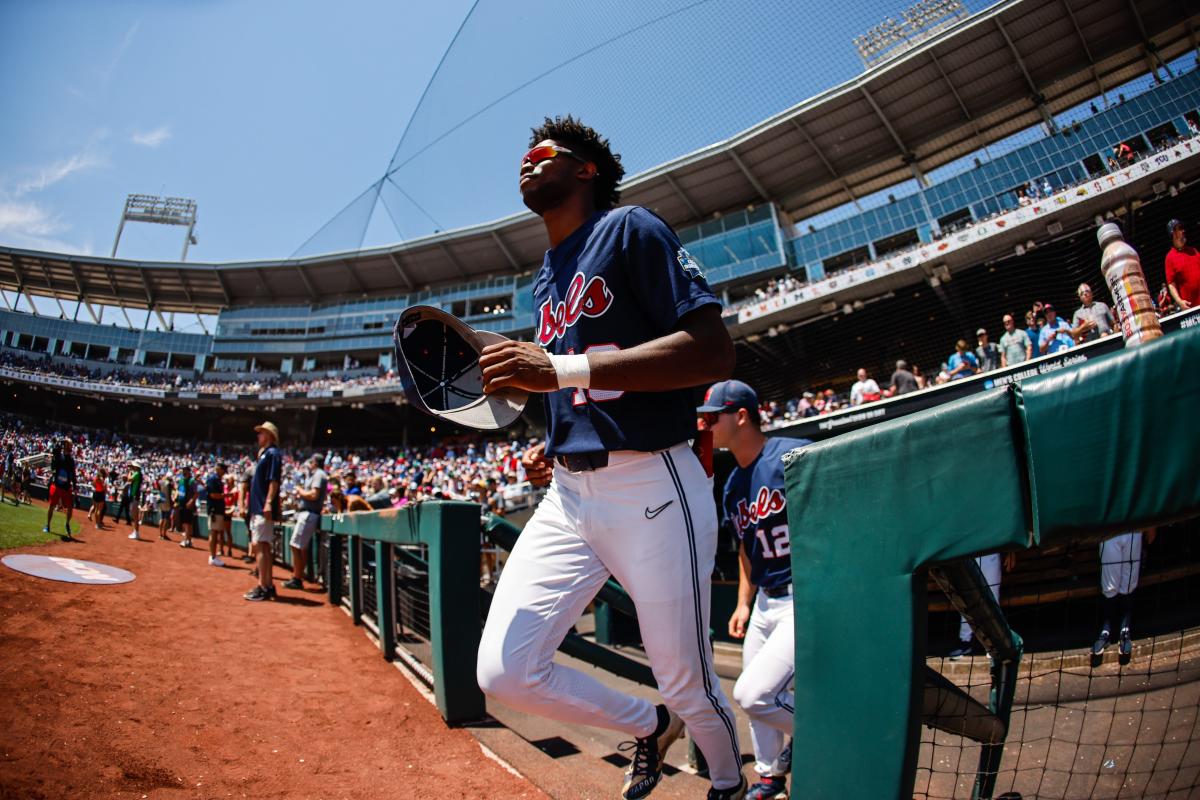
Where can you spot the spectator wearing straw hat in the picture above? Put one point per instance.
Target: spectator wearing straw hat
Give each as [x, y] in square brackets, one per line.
[264, 508]
[308, 519]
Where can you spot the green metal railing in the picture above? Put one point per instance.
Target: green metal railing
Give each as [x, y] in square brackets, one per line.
[450, 535]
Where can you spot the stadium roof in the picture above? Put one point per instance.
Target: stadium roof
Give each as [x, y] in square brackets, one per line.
[993, 74]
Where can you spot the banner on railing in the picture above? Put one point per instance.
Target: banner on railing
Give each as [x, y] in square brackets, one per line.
[79, 385]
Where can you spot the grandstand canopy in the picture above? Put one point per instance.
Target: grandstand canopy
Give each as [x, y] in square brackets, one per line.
[993, 74]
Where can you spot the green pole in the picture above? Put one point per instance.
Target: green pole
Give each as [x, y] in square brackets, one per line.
[451, 532]
[385, 598]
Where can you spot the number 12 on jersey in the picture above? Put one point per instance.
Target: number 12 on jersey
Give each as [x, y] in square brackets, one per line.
[778, 537]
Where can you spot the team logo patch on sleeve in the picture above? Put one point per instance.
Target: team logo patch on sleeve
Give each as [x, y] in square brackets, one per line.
[689, 265]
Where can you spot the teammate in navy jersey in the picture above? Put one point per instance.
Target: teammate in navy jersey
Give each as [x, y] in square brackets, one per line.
[626, 326]
[754, 505]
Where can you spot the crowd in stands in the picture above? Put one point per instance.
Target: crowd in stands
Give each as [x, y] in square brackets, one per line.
[171, 380]
[1045, 333]
[486, 472]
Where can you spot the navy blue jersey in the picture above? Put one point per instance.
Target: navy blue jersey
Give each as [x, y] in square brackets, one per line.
[215, 489]
[269, 468]
[755, 504]
[620, 280]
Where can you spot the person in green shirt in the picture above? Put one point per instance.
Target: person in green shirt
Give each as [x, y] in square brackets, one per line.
[135, 498]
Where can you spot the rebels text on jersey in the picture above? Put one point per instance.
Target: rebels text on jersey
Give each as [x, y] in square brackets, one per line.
[755, 505]
[622, 279]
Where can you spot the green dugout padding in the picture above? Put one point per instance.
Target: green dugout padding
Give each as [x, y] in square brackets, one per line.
[868, 511]
[1112, 445]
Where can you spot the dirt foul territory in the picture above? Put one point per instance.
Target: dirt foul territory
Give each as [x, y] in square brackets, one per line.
[174, 686]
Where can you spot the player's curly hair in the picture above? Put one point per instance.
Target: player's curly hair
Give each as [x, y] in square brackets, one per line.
[573, 134]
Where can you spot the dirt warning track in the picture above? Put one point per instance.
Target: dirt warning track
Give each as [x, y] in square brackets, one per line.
[174, 686]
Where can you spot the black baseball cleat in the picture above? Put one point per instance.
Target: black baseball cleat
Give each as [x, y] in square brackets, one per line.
[258, 594]
[1101, 643]
[736, 793]
[645, 770]
[1126, 644]
[293, 583]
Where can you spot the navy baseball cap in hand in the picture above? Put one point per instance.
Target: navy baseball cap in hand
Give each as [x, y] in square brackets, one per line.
[728, 396]
[438, 359]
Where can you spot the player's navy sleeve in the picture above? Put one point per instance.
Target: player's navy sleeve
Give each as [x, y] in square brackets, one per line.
[666, 281]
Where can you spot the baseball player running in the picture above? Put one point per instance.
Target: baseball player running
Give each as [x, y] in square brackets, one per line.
[625, 324]
[755, 506]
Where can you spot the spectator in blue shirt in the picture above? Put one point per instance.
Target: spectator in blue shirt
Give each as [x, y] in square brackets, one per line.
[264, 510]
[1055, 335]
[962, 363]
[1033, 327]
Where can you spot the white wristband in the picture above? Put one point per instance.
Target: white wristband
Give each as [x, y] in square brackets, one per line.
[573, 371]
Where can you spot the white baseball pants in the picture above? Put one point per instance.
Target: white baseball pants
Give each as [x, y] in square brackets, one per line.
[990, 567]
[1120, 564]
[763, 689]
[649, 520]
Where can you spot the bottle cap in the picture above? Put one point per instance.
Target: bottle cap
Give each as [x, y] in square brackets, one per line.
[1107, 232]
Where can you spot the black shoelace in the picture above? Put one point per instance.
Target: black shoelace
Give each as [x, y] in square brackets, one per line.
[645, 754]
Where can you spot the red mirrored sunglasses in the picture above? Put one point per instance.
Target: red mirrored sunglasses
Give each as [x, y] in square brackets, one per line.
[710, 418]
[546, 151]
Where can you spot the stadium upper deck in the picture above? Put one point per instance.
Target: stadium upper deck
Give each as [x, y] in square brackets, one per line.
[1010, 67]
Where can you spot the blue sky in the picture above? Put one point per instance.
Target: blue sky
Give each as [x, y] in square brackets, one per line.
[275, 115]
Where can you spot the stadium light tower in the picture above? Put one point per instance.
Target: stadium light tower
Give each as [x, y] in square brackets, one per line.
[917, 23]
[160, 210]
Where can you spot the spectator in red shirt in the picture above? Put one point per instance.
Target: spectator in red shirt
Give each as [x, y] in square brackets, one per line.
[1123, 153]
[1183, 268]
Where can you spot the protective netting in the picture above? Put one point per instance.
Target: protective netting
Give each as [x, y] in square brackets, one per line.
[1088, 719]
[659, 79]
[921, 324]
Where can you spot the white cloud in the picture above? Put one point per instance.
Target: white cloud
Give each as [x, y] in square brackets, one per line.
[47, 176]
[151, 138]
[29, 225]
[28, 218]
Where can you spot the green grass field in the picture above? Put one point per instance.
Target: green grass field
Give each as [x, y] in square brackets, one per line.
[22, 526]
